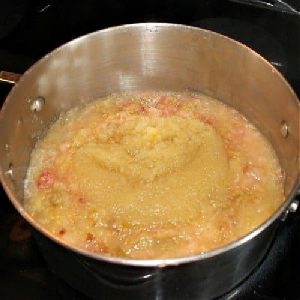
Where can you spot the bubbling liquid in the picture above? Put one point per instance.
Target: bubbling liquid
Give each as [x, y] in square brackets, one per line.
[152, 175]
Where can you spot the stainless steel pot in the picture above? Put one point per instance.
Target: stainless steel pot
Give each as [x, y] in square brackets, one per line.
[164, 57]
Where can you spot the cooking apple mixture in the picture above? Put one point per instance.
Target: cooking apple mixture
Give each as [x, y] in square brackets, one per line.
[152, 175]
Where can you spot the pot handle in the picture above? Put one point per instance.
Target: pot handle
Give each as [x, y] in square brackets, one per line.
[9, 77]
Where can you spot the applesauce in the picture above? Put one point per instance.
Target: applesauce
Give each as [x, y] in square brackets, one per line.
[152, 175]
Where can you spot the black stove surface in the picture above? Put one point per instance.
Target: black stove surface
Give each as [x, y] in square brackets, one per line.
[24, 273]
[30, 29]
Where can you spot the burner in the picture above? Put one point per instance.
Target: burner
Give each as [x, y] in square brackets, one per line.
[23, 266]
[265, 282]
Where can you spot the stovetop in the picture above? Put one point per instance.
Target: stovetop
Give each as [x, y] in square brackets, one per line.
[31, 28]
[24, 274]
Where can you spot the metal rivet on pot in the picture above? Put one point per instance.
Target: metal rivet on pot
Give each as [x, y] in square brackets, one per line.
[291, 209]
[9, 171]
[284, 129]
[37, 104]
[294, 206]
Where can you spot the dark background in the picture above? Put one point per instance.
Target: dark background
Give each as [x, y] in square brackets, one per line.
[31, 28]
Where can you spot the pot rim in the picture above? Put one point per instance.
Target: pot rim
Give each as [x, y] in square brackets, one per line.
[146, 262]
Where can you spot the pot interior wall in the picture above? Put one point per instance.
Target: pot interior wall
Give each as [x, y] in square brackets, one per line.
[143, 57]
